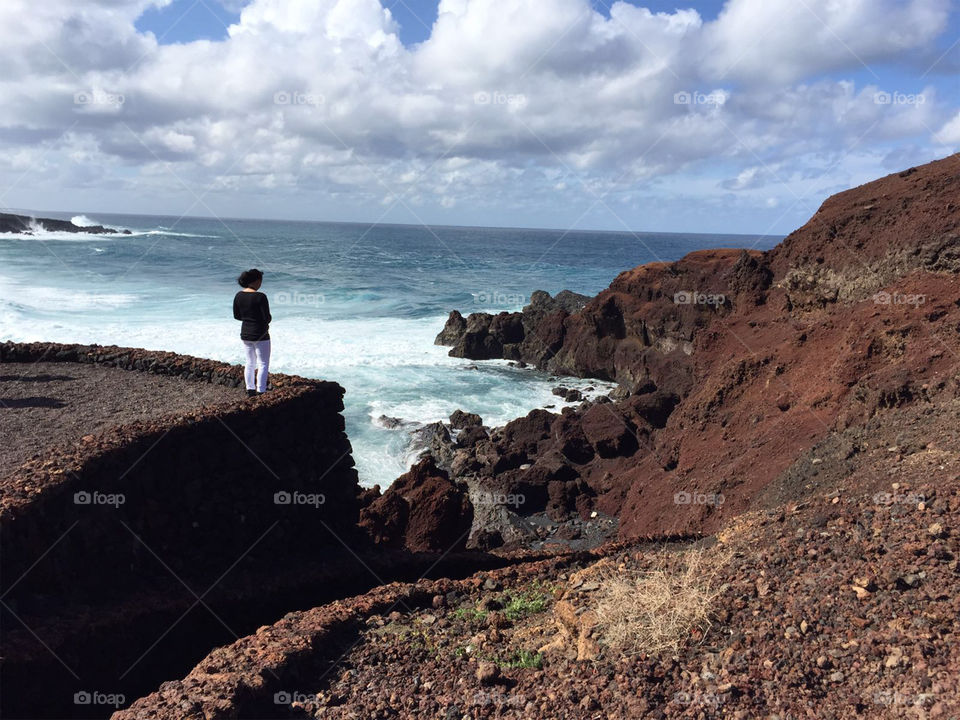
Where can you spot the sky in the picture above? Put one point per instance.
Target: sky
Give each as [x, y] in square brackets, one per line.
[725, 117]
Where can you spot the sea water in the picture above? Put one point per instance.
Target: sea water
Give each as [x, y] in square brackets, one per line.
[357, 304]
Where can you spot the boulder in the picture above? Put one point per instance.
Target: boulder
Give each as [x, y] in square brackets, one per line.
[460, 420]
[434, 440]
[422, 511]
[527, 433]
[570, 439]
[568, 394]
[471, 436]
[485, 337]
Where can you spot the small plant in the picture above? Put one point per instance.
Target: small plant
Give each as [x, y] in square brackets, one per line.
[524, 604]
[470, 614]
[544, 586]
[658, 611]
[524, 660]
[413, 638]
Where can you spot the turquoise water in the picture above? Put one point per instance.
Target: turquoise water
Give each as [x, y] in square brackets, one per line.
[352, 303]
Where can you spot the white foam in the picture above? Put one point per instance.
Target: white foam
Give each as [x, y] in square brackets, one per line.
[43, 299]
[36, 232]
[83, 221]
[163, 231]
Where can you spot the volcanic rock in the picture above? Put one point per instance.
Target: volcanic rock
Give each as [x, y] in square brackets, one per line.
[421, 511]
[461, 420]
[24, 225]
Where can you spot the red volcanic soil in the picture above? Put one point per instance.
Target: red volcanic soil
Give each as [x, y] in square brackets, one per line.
[913, 214]
[770, 386]
[772, 382]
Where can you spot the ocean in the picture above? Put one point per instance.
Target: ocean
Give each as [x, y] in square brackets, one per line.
[352, 303]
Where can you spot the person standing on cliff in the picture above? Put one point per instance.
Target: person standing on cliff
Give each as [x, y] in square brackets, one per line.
[252, 308]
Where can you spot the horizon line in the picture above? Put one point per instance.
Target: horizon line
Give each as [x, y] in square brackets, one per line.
[34, 213]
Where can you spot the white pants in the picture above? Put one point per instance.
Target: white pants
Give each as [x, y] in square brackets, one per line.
[258, 364]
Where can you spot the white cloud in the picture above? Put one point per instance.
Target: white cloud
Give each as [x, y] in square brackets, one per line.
[949, 134]
[508, 102]
[785, 41]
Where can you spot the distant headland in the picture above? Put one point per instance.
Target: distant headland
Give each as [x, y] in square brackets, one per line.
[26, 225]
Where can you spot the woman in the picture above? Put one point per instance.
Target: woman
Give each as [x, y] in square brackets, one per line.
[253, 309]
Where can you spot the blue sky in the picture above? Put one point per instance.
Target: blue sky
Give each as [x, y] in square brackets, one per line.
[733, 116]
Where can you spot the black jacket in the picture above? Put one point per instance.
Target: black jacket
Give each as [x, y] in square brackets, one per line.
[253, 309]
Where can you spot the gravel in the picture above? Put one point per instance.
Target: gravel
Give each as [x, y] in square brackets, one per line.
[45, 404]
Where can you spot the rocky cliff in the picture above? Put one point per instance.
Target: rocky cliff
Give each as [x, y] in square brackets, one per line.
[740, 372]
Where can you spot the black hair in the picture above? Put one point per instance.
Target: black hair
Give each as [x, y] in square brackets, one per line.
[249, 277]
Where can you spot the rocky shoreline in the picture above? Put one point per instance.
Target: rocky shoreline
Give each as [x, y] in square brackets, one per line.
[28, 225]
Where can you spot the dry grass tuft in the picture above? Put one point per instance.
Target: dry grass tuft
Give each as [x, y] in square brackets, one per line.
[656, 611]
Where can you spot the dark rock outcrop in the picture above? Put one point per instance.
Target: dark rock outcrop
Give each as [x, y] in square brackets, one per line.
[434, 440]
[422, 510]
[530, 336]
[609, 433]
[635, 332]
[24, 225]
[454, 329]
[461, 420]
[486, 337]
